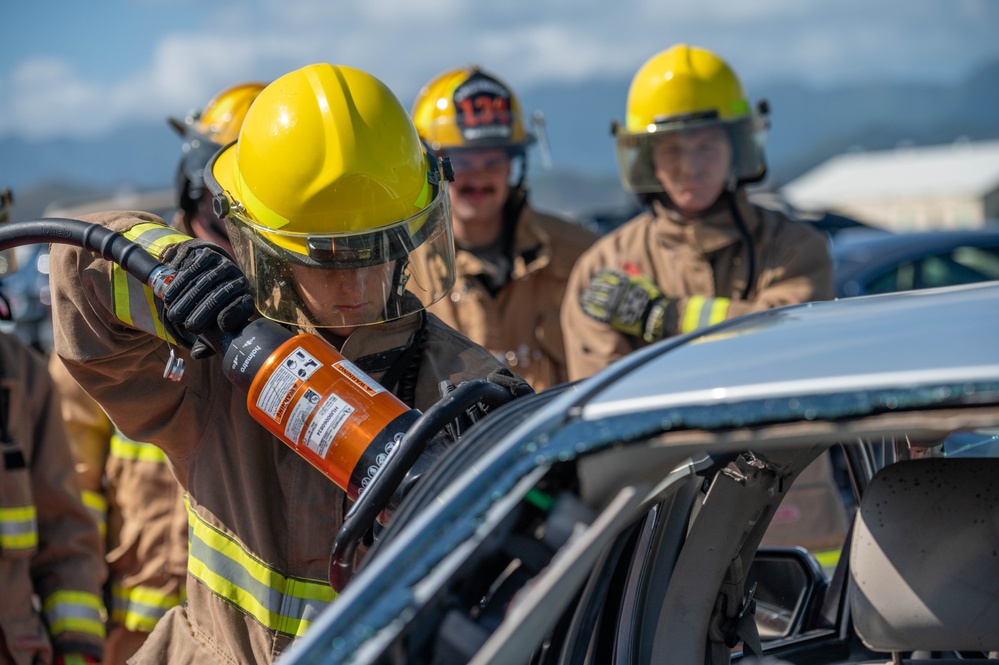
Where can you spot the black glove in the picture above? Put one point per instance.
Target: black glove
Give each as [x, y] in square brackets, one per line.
[515, 385]
[502, 377]
[629, 302]
[463, 422]
[208, 297]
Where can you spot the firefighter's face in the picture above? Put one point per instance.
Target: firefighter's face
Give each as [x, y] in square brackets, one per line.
[479, 191]
[344, 299]
[693, 167]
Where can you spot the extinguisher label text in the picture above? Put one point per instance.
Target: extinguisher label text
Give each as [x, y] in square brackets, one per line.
[300, 413]
[277, 393]
[330, 417]
[284, 381]
[358, 377]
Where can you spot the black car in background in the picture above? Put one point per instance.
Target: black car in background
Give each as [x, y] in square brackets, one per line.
[869, 261]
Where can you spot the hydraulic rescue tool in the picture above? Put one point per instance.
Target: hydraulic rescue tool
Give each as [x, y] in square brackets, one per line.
[301, 389]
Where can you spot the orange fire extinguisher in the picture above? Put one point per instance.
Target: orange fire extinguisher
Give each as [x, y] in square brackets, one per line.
[308, 395]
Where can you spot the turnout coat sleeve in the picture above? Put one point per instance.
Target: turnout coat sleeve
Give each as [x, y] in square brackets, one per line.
[702, 266]
[119, 366]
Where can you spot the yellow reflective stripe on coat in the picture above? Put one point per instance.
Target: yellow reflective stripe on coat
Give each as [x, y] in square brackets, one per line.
[74, 612]
[827, 558]
[134, 302]
[155, 238]
[280, 603]
[18, 528]
[125, 448]
[97, 505]
[140, 608]
[702, 312]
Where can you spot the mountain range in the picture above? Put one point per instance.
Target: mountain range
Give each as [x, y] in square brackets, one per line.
[808, 126]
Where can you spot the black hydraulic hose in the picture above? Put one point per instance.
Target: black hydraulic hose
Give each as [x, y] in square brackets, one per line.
[111, 245]
[392, 473]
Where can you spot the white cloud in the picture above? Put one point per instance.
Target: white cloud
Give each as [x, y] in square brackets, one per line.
[525, 42]
[47, 97]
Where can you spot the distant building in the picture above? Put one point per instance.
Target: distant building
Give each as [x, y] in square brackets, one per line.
[907, 189]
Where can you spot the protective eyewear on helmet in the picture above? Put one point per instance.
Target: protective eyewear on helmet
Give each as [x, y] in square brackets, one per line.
[471, 162]
[406, 266]
[362, 250]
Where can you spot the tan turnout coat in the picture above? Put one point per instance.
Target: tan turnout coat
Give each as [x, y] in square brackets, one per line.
[262, 519]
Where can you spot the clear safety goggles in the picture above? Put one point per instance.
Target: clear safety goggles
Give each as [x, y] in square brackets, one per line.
[747, 136]
[336, 280]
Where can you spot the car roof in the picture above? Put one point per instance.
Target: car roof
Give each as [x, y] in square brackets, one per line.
[870, 342]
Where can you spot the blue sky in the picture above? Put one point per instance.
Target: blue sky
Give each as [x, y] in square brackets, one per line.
[79, 69]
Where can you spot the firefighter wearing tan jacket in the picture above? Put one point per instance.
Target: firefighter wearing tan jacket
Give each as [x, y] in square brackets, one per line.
[338, 219]
[703, 253]
[128, 484]
[513, 261]
[131, 491]
[49, 544]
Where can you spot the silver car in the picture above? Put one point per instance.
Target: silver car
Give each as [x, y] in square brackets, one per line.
[640, 516]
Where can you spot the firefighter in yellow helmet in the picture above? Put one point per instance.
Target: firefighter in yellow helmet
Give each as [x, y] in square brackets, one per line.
[204, 133]
[512, 260]
[51, 569]
[338, 219]
[702, 252]
[127, 484]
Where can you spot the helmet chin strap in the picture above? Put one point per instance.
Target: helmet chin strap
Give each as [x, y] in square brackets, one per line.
[400, 277]
[522, 174]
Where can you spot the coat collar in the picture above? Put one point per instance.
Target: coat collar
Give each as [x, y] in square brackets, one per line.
[715, 229]
[531, 248]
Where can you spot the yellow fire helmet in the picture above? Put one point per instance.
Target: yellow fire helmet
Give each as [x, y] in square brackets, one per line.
[683, 88]
[469, 108]
[328, 175]
[205, 131]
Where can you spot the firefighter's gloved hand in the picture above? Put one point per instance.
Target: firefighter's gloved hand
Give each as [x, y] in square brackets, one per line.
[466, 419]
[629, 303]
[502, 377]
[208, 297]
[515, 385]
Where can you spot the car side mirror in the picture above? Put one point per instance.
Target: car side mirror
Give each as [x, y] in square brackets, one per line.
[789, 586]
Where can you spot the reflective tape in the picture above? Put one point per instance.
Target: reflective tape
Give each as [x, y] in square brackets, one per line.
[702, 312]
[133, 302]
[74, 612]
[280, 603]
[827, 558]
[97, 505]
[18, 528]
[155, 238]
[125, 448]
[139, 608]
